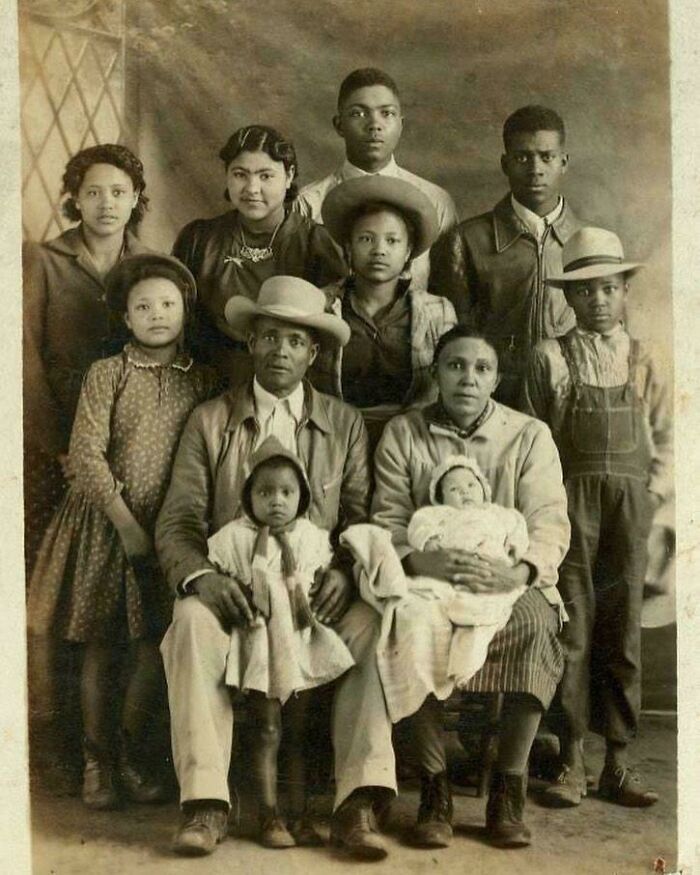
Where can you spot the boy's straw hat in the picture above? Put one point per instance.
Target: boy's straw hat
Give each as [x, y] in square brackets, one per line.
[592, 253]
[289, 299]
[342, 201]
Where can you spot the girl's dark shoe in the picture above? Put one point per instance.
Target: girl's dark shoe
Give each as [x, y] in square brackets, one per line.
[504, 811]
[99, 792]
[274, 833]
[625, 787]
[137, 785]
[433, 828]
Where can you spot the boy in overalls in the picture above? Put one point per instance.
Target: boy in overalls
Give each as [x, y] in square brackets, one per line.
[608, 408]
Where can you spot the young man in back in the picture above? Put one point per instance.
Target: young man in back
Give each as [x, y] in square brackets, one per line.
[370, 122]
[493, 267]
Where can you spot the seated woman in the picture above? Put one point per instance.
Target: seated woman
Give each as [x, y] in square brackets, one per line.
[382, 223]
[234, 253]
[520, 462]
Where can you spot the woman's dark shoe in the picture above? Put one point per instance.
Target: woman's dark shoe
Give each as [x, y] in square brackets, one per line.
[203, 826]
[354, 829]
[99, 791]
[504, 811]
[135, 782]
[273, 832]
[625, 787]
[433, 827]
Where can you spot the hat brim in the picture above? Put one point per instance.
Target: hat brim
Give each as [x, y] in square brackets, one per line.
[342, 201]
[240, 313]
[593, 271]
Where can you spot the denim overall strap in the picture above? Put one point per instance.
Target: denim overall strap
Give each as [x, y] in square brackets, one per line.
[604, 431]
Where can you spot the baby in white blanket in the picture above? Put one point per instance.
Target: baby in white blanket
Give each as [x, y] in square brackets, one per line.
[462, 517]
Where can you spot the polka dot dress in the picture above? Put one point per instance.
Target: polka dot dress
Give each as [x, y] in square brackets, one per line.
[130, 416]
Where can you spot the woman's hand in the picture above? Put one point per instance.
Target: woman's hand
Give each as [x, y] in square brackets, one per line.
[441, 564]
[136, 541]
[330, 595]
[491, 575]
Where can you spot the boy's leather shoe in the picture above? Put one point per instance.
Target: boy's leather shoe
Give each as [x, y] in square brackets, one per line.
[304, 833]
[354, 830]
[203, 826]
[568, 790]
[625, 787]
[433, 827]
[504, 811]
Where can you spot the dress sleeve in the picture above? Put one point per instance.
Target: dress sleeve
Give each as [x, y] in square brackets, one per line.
[423, 526]
[230, 549]
[393, 506]
[90, 438]
[42, 425]
[517, 540]
[316, 549]
[541, 498]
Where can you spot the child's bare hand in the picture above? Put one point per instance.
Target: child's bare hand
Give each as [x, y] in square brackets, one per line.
[226, 598]
[63, 460]
[432, 545]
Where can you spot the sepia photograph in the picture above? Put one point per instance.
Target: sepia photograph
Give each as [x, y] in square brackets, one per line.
[349, 396]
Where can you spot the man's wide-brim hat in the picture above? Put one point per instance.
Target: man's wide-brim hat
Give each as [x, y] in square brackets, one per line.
[591, 253]
[289, 299]
[342, 203]
[127, 272]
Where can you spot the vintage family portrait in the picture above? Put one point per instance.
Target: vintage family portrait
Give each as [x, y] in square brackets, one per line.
[348, 435]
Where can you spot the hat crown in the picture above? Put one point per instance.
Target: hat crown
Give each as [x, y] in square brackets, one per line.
[589, 246]
[292, 295]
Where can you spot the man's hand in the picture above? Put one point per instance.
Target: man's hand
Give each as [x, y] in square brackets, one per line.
[331, 594]
[226, 599]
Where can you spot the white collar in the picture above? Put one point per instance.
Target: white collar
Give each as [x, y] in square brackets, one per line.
[534, 223]
[265, 402]
[614, 332]
[350, 171]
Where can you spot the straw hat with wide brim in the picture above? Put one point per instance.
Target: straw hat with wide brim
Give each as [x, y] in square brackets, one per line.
[127, 272]
[591, 253]
[289, 299]
[342, 202]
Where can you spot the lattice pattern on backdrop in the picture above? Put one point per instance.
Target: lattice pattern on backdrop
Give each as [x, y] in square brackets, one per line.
[72, 96]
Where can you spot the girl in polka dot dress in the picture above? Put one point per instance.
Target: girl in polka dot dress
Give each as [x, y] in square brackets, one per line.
[96, 581]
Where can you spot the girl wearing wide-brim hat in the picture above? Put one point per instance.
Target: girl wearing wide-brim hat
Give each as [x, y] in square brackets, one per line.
[262, 236]
[606, 402]
[382, 223]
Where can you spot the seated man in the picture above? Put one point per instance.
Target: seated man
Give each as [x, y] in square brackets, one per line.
[518, 457]
[284, 329]
[370, 122]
